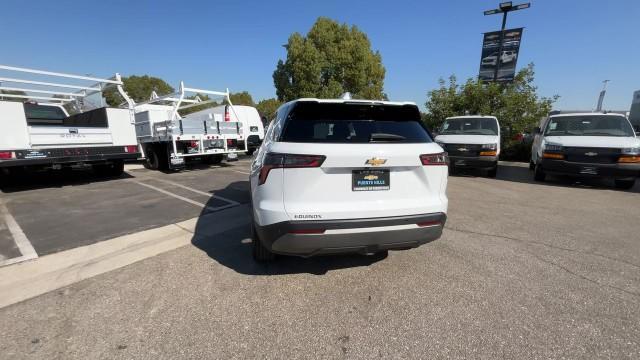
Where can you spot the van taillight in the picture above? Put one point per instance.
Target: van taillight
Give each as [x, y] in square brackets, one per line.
[227, 116]
[6, 155]
[131, 148]
[435, 159]
[286, 161]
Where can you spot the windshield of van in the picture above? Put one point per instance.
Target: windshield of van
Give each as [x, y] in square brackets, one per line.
[589, 125]
[470, 126]
[311, 122]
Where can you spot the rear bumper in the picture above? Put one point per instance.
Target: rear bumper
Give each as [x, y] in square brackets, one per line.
[616, 171]
[67, 156]
[351, 236]
[475, 162]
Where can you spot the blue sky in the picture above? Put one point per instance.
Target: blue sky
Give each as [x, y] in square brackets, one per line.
[575, 44]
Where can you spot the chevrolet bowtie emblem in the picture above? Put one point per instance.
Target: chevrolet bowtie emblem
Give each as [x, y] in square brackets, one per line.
[591, 154]
[371, 177]
[375, 162]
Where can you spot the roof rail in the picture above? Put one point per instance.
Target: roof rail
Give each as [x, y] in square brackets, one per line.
[69, 92]
[178, 98]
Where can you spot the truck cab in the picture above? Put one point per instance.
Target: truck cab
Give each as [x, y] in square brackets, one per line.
[472, 142]
[595, 145]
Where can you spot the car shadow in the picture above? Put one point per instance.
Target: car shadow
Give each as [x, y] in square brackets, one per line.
[43, 179]
[225, 237]
[520, 173]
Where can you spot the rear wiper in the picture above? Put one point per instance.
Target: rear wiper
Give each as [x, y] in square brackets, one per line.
[386, 137]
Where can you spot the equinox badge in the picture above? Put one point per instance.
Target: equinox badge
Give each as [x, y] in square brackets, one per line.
[375, 161]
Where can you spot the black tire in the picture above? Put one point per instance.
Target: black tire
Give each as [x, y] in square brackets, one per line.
[532, 165]
[213, 159]
[260, 252]
[493, 172]
[538, 174]
[625, 184]
[251, 151]
[452, 169]
[151, 161]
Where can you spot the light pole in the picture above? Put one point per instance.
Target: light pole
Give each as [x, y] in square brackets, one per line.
[504, 9]
[601, 97]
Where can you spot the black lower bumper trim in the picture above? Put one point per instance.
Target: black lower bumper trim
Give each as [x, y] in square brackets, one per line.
[284, 237]
[475, 162]
[616, 171]
[68, 159]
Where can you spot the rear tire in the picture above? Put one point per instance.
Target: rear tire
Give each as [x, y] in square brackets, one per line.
[151, 161]
[532, 165]
[213, 159]
[493, 172]
[260, 253]
[538, 174]
[250, 151]
[625, 184]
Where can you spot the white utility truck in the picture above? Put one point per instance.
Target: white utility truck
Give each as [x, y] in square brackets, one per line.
[37, 131]
[247, 115]
[168, 139]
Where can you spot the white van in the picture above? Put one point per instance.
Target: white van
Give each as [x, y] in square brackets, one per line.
[587, 145]
[471, 142]
[247, 115]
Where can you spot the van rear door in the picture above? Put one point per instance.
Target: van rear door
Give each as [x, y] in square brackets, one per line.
[50, 127]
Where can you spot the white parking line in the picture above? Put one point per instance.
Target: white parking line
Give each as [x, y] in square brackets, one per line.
[193, 202]
[20, 239]
[196, 191]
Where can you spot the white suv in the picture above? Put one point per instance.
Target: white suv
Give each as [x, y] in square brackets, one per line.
[335, 176]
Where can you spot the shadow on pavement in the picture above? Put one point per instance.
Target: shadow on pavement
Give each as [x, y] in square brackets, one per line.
[519, 172]
[34, 180]
[225, 237]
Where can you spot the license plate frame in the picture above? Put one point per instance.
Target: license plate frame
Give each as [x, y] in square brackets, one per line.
[370, 180]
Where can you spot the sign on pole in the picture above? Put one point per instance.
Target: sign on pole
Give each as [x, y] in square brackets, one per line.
[508, 58]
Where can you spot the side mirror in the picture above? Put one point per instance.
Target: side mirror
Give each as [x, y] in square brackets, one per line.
[637, 133]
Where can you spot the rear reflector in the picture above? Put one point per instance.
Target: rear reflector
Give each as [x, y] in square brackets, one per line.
[429, 223]
[307, 231]
[547, 155]
[131, 148]
[435, 159]
[629, 159]
[286, 161]
[6, 155]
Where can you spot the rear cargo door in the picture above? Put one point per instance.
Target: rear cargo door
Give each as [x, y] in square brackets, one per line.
[49, 127]
[371, 167]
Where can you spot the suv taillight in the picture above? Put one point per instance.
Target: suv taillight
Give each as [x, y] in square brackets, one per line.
[286, 161]
[435, 159]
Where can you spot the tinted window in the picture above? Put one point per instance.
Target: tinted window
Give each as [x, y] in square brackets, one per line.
[589, 125]
[354, 123]
[470, 126]
[43, 115]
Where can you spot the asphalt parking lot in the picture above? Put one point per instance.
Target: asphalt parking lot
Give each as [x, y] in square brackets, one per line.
[523, 270]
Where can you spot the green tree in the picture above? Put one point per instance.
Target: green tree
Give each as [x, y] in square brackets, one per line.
[516, 104]
[268, 108]
[138, 88]
[331, 59]
[11, 92]
[241, 98]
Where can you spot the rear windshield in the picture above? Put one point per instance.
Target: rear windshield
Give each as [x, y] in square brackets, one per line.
[470, 126]
[589, 125]
[43, 115]
[311, 122]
